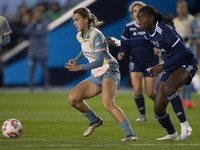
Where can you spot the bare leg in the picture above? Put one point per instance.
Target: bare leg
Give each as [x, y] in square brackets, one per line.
[150, 83]
[167, 92]
[109, 91]
[84, 90]
[136, 80]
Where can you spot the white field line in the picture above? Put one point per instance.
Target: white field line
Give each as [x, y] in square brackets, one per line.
[97, 145]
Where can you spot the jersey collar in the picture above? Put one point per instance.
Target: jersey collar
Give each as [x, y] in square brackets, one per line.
[151, 35]
[136, 24]
[87, 34]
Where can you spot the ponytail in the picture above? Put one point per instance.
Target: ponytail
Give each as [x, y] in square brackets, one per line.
[92, 19]
[168, 19]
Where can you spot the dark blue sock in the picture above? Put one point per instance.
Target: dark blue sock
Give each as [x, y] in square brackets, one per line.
[177, 105]
[166, 123]
[139, 100]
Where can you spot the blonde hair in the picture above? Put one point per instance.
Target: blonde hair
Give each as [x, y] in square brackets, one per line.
[85, 12]
[134, 4]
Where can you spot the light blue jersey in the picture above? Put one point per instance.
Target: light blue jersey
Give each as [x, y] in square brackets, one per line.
[96, 51]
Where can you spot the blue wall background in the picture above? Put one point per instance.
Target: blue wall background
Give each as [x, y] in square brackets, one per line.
[64, 46]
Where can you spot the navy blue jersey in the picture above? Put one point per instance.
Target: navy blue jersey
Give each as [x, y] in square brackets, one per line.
[143, 55]
[174, 51]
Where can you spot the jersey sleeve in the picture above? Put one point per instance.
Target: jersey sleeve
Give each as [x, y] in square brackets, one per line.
[137, 42]
[175, 42]
[100, 49]
[95, 64]
[125, 36]
[6, 28]
[170, 38]
[79, 56]
[99, 43]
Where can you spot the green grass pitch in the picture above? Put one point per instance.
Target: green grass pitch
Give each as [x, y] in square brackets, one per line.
[49, 122]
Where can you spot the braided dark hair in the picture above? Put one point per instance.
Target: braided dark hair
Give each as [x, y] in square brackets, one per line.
[149, 10]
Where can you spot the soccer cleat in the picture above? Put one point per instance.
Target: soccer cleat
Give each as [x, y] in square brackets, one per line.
[141, 119]
[92, 126]
[170, 137]
[130, 138]
[186, 132]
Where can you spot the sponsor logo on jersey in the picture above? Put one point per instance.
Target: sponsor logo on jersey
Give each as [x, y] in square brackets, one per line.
[88, 53]
[141, 33]
[133, 29]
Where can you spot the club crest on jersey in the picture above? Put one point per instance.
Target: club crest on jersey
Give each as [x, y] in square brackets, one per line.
[90, 45]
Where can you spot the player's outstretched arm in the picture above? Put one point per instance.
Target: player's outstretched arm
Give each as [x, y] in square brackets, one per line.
[137, 42]
[113, 41]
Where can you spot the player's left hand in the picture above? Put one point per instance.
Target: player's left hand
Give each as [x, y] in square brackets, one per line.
[155, 71]
[72, 67]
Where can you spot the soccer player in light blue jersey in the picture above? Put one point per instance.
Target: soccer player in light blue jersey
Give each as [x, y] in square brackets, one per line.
[105, 75]
[179, 67]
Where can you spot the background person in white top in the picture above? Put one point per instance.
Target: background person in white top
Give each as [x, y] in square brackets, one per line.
[183, 26]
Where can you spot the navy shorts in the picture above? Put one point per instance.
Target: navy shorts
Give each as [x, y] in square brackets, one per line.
[192, 69]
[135, 67]
[115, 75]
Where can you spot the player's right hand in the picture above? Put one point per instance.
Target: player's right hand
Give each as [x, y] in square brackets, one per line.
[120, 55]
[73, 61]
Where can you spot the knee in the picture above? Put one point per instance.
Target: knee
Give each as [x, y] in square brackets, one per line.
[167, 89]
[108, 106]
[138, 91]
[150, 94]
[72, 100]
[158, 110]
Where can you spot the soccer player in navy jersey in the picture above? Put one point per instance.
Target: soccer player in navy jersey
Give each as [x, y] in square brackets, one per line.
[105, 75]
[141, 58]
[179, 67]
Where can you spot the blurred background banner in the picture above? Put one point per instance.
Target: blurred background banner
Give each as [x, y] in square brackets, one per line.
[62, 43]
